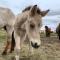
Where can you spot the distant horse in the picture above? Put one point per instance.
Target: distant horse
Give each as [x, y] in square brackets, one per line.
[58, 31]
[48, 31]
[7, 22]
[28, 23]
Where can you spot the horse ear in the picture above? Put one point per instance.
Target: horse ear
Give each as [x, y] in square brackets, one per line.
[43, 13]
[33, 10]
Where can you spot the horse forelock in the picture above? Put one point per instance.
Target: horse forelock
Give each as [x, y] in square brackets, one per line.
[29, 7]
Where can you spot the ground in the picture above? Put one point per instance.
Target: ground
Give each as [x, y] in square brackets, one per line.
[49, 49]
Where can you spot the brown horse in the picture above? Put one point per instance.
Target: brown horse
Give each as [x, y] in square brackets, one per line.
[28, 23]
[48, 31]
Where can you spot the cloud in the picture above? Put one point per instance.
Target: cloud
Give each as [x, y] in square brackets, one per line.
[20, 4]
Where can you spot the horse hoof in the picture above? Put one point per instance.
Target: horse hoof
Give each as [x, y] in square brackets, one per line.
[4, 53]
[11, 50]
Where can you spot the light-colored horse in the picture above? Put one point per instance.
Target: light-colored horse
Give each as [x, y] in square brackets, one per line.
[28, 23]
[7, 22]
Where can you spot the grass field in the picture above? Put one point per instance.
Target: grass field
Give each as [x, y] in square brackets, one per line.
[49, 49]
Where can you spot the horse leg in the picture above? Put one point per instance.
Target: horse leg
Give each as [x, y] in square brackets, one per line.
[6, 48]
[5, 51]
[59, 37]
[17, 46]
[12, 43]
[12, 47]
[8, 45]
[9, 38]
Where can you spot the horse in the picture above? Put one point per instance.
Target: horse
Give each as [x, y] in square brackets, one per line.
[58, 31]
[28, 23]
[48, 31]
[7, 22]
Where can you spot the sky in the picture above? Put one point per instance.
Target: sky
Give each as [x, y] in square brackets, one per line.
[18, 5]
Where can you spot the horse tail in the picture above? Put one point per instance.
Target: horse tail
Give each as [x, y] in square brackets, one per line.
[12, 42]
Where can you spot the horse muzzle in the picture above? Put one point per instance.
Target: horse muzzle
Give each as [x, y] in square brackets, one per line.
[35, 45]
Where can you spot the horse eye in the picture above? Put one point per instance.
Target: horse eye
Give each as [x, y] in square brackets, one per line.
[32, 26]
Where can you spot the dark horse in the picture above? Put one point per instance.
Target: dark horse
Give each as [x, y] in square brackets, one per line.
[58, 31]
[48, 31]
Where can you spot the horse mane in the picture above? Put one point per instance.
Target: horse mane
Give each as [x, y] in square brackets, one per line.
[29, 7]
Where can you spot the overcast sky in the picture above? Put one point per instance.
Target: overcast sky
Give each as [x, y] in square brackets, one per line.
[18, 5]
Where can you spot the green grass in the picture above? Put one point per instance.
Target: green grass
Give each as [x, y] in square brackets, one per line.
[49, 49]
[2, 35]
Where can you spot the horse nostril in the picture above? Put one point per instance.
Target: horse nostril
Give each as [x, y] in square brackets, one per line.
[35, 45]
